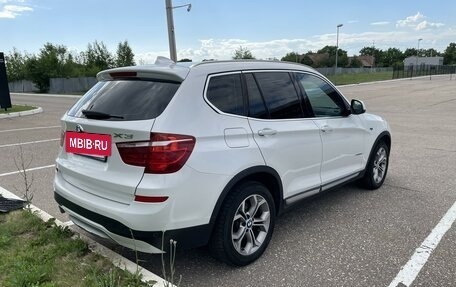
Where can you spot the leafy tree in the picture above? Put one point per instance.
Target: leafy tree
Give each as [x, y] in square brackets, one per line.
[355, 63]
[16, 65]
[53, 61]
[185, 60]
[342, 57]
[306, 60]
[97, 58]
[331, 50]
[372, 51]
[392, 56]
[242, 53]
[431, 53]
[410, 52]
[125, 56]
[36, 75]
[291, 57]
[449, 56]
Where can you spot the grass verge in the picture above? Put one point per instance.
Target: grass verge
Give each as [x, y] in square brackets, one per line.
[346, 79]
[36, 253]
[16, 108]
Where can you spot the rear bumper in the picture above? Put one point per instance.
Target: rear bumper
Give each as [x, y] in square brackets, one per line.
[144, 241]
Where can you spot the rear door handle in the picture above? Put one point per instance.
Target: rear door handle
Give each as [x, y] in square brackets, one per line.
[267, 132]
[326, 129]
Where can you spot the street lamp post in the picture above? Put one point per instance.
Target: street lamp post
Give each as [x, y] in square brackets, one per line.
[417, 51]
[337, 46]
[171, 35]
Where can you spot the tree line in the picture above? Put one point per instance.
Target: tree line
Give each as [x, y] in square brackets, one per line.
[56, 61]
[326, 57]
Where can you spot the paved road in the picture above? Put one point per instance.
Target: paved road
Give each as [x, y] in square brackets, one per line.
[347, 237]
[44, 129]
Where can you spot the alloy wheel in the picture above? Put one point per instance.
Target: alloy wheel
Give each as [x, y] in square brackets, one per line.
[251, 224]
[380, 162]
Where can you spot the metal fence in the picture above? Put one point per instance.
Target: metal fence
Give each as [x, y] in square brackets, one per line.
[57, 85]
[22, 86]
[71, 85]
[422, 70]
[332, 71]
[83, 84]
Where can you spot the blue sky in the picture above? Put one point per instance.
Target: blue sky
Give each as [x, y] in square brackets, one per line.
[214, 29]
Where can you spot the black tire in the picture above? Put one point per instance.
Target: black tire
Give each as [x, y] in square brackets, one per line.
[223, 245]
[371, 179]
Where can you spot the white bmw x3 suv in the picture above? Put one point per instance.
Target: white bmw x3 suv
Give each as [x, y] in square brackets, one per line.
[210, 154]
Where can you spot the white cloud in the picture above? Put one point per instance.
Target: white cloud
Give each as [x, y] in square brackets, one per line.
[418, 23]
[11, 11]
[410, 20]
[381, 23]
[427, 25]
[223, 49]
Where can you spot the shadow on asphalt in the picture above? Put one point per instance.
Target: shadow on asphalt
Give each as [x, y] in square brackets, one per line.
[304, 216]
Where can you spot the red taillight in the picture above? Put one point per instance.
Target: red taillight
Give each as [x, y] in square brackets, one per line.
[62, 138]
[164, 153]
[150, 199]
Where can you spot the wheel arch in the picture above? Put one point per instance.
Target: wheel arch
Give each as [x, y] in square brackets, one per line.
[263, 174]
[385, 136]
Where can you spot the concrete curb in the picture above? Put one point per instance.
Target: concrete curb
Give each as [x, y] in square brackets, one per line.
[116, 259]
[21, 114]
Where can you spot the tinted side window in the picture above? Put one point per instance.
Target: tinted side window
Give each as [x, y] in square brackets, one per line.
[225, 93]
[128, 100]
[280, 95]
[257, 109]
[325, 101]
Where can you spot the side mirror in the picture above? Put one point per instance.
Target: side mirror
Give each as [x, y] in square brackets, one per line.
[357, 107]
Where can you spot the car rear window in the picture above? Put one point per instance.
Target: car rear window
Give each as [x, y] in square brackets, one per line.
[126, 100]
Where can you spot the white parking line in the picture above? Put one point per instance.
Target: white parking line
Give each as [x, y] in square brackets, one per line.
[29, 169]
[33, 142]
[410, 271]
[28, 129]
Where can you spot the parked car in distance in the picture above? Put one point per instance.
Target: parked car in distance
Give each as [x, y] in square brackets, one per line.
[210, 153]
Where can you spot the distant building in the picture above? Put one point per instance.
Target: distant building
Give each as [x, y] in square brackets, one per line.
[318, 60]
[426, 61]
[366, 61]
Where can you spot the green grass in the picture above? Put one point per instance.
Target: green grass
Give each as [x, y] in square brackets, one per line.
[345, 79]
[34, 253]
[16, 108]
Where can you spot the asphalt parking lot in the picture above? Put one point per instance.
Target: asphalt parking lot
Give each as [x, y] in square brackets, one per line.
[346, 237]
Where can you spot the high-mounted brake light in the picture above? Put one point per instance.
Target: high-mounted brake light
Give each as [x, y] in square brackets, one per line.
[122, 74]
[164, 153]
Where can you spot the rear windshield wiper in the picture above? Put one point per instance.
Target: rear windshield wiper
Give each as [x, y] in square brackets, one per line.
[99, 115]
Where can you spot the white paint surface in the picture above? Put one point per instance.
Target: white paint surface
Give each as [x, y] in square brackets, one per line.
[28, 129]
[410, 271]
[29, 169]
[26, 143]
